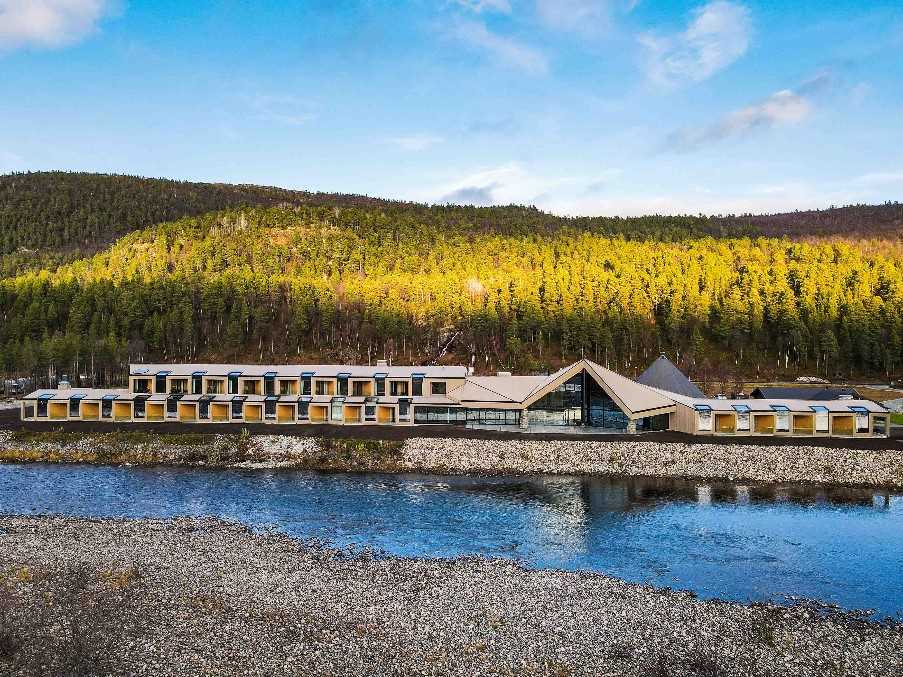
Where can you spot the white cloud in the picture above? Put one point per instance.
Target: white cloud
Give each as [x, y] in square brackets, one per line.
[416, 142]
[510, 183]
[718, 35]
[480, 6]
[781, 108]
[49, 23]
[505, 50]
[588, 17]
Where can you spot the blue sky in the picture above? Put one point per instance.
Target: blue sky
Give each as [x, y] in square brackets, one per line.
[577, 106]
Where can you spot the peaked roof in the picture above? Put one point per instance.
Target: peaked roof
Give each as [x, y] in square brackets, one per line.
[804, 392]
[664, 375]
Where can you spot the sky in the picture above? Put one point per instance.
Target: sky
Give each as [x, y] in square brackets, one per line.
[594, 107]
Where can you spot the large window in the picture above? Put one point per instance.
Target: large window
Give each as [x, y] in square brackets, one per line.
[233, 382]
[417, 384]
[324, 388]
[269, 383]
[303, 408]
[342, 381]
[437, 388]
[305, 383]
[398, 388]
[178, 386]
[337, 405]
[160, 382]
[781, 418]
[142, 385]
[215, 386]
[380, 385]
[404, 409]
[197, 382]
[74, 405]
[879, 426]
[360, 388]
[494, 416]
[447, 415]
[238, 407]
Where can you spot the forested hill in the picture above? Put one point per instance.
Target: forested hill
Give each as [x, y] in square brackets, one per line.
[51, 217]
[419, 285]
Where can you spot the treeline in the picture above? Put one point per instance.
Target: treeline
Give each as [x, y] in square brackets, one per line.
[420, 285]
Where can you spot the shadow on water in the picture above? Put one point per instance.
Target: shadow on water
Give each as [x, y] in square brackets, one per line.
[719, 539]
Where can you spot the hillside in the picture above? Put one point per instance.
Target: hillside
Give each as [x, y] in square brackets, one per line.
[49, 218]
[506, 288]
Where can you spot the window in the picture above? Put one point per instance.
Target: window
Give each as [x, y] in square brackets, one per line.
[269, 407]
[404, 408]
[250, 387]
[160, 382]
[862, 419]
[781, 418]
[305, 383]
[360, 388]
[446, 415]
[879, 426]
[437, 388]
[269, 383]
[704, 418]
[197, 383]
[142, 385]
[743, 415]
[493, 416]
[398, 388]
[416, 385]
[380, 384]
[238, 406]
[337, 404]
[287, 387]
[140, 407]
[324, 388]
[172, 405]
[74, 404]
[233, 382]
[178, 386]
[303, 407]
[369, 412]
[343, 384]
[204, 407]
[214, 386]
[821, 418]
[106, 406]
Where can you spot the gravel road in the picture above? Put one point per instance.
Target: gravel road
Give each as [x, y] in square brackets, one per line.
[204, 597]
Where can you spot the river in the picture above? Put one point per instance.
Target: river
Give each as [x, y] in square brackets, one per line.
[843, 546]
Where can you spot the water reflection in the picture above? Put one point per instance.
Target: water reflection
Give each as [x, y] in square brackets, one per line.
[720, 539]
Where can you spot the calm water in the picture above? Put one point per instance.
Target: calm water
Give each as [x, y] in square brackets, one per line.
[842, 546]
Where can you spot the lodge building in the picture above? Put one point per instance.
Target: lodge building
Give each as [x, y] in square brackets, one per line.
[584, 397]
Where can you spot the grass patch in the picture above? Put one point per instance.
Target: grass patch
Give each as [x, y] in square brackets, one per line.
[896, 419]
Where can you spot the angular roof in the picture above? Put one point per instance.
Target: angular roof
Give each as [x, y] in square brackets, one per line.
[664, 375]
[804, 392]
[498, 388]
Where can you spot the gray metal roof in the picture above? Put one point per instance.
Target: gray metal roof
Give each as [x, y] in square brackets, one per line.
[804, 393]
[664, 375]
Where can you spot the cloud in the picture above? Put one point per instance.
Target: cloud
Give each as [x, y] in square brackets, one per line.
[718, 35]
[504, 50]
[588, 17]
[50, 23]
[282, 109]
[480, 6]
[509, 183]
[416, 142]
[479, 196]
[781, 108]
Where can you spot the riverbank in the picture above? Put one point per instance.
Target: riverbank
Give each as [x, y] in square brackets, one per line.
[637, 456]
[187, 597]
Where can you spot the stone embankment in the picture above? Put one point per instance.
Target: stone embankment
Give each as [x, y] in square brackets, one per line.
[204, 597]
[642, 456]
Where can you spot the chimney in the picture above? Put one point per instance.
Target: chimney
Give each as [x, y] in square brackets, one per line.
[382, 363]
[503, 373]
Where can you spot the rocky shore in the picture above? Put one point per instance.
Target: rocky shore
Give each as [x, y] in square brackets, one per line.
[639, 457]
[203, 597]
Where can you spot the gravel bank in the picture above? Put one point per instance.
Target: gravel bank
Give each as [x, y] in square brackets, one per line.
[637, 456]
[192, 597]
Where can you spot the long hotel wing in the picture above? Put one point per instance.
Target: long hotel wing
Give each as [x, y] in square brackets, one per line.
[578, 398]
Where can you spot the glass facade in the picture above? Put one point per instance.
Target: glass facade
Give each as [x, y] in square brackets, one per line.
[578, 401]
[493, 416]
[447, 415]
